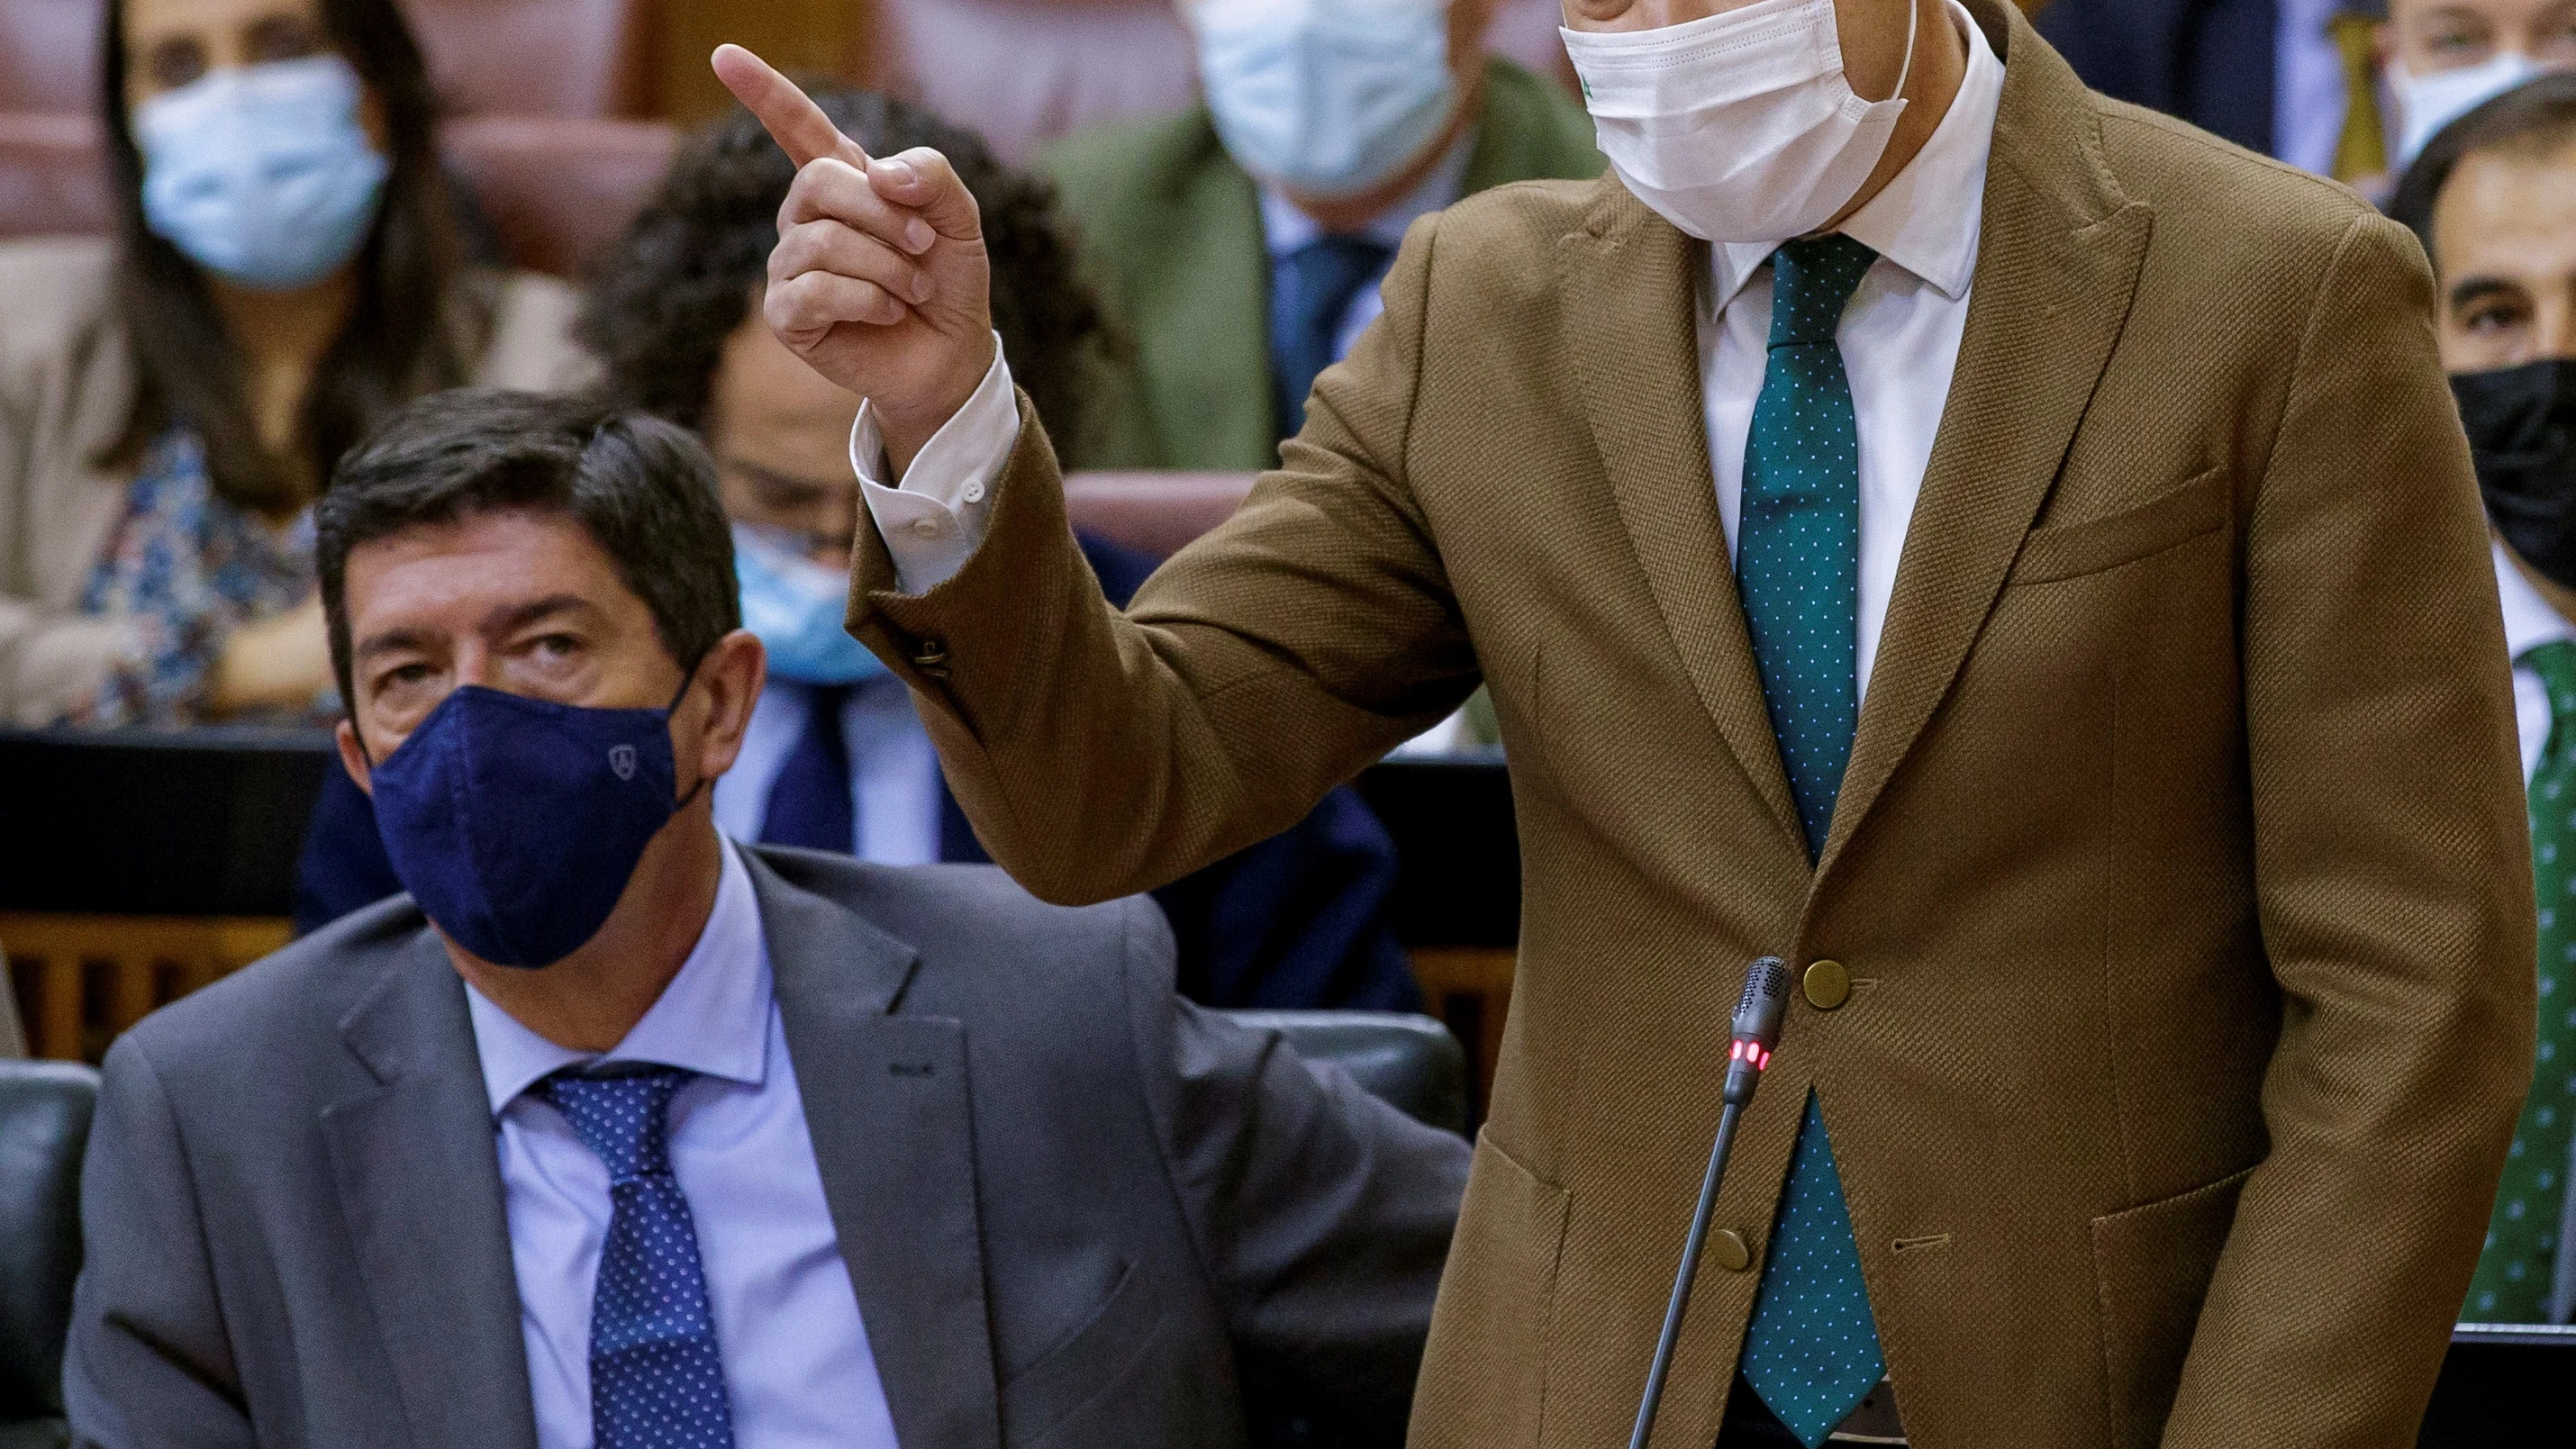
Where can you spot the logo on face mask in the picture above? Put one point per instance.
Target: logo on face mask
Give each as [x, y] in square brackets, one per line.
[621, 758]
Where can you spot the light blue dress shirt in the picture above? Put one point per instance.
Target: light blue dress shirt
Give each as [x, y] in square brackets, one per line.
[797, 1367]
[895, 785]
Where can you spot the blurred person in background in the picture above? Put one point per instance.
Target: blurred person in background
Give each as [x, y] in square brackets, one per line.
[613, 1133]
[2276, 76]
[286, 271]
[2445, 58]
[835, 757]
[2494, 200]
[1241, 242]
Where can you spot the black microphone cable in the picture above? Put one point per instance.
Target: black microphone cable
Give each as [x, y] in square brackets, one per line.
[1757, 1031]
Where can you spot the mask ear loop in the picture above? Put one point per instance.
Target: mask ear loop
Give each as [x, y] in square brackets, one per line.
[682, 693]
[1913, 37]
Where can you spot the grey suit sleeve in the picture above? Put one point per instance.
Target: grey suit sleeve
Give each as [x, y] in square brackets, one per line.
[148, 1363]
[1323, 1215]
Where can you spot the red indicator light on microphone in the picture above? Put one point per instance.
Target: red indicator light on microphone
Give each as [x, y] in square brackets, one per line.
[1762, 1063]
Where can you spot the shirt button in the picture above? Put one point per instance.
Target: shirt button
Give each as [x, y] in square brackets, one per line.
[925, 528]
[974, 492]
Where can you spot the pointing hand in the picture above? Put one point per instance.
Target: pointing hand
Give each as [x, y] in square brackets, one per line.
[880, 280]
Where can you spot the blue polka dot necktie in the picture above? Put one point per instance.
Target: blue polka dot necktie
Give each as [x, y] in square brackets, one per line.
[656, 1381]
[1812, 1349]
[2520, 1262]
[1311, 292]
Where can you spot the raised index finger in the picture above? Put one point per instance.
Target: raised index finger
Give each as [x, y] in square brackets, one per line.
[793, 120]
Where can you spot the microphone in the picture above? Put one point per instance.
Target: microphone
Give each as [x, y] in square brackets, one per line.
[1758, 1016]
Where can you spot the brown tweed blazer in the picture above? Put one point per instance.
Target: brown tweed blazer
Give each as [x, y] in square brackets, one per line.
[2180, 868]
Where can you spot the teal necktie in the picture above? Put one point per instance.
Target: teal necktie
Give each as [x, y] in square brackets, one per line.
[2518, 1266]
[1812, 1350]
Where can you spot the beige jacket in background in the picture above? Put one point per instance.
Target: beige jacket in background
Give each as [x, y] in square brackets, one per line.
[2180, 871]
[66, 382]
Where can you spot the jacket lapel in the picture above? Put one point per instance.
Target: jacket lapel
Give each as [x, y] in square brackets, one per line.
[1630, 331]
[886, 1106]
[1210, 301]
[2056, 271]
[420, 1190]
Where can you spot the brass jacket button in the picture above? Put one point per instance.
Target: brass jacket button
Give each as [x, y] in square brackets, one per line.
[1727, 1249]
[1827, 985]
[930, 656]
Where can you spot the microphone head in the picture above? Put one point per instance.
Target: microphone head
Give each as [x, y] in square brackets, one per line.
[1766, 1001]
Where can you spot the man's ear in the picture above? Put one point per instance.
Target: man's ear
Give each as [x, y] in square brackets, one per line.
[352, 758]
[730, 680]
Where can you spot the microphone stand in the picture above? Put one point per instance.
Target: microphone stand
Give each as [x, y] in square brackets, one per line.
[1757, 1030]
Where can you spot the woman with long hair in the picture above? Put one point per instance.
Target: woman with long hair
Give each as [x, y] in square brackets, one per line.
[286, 269]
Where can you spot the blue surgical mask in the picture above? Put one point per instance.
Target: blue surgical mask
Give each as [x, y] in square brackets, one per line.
[796, 606]
[1326, 97]
[262, 174]
[515, 823]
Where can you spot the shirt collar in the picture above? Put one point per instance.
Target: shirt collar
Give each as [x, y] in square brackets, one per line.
[1933, 213]
[713, 1019]
[2529, 622]
[1284, 228]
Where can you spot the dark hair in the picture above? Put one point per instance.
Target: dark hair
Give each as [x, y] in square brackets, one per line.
[644, 489]
[396, 344]
[2536, 117]
[664, 300]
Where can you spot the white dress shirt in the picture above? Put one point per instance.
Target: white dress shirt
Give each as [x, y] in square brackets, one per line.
[797, 1367]
[2529, 622]
[1900, 343]
[1900, 337]
[896, 795]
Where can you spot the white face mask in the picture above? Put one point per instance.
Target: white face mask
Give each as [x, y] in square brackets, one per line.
[2427, 103]
[1326, 97]
[1739, 127]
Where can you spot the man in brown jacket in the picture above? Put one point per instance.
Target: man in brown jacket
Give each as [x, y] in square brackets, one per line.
[2057, 624]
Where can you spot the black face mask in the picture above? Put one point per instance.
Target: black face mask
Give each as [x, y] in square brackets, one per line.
[2522, 429]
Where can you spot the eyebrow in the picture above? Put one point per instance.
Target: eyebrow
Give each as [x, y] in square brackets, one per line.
[2469, 290]
[507, 619]
[519, 616]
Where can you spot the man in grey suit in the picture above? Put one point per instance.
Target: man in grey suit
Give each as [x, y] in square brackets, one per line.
[612, 1133]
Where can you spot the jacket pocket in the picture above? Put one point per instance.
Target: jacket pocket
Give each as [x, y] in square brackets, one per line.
[1484, 1374]
[2177, 516]
[1088, 1363]
[2151, 1267]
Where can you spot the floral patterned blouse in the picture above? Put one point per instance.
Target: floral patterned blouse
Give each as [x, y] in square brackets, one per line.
[189, 568]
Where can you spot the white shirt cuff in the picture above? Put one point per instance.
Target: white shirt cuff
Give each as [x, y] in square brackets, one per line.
[935, 519]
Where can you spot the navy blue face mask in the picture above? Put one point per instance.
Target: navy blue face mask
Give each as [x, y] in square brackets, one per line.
[515, 823]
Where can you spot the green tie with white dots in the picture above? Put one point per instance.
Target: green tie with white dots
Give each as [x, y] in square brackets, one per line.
[1812, 1349]
[2515, 1272]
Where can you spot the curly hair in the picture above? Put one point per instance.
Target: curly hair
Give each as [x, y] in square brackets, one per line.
[663, 301]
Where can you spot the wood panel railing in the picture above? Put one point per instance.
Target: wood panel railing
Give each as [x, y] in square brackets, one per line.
[81, 980]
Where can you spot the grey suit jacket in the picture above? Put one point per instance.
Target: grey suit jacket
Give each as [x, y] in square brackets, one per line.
[1077, 1210]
